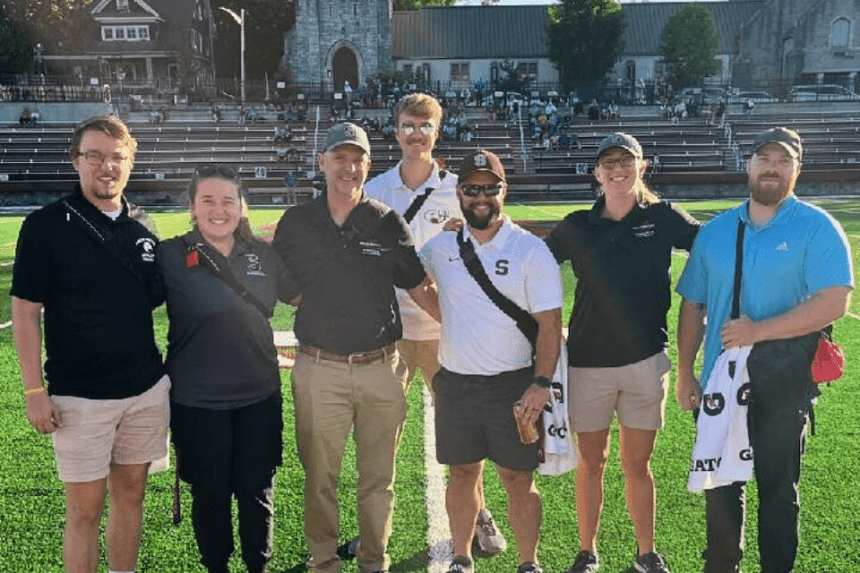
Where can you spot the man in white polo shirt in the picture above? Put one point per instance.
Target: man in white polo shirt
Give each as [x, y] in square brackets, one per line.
[488, 364]
[426, 196]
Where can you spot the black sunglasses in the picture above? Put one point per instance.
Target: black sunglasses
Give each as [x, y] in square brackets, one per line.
[216, 169]
[487, 190]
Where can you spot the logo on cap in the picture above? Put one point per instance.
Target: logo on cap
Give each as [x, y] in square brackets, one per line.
[348, 130]
[480, 160]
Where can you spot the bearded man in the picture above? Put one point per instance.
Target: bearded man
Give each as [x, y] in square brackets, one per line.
[796, 277]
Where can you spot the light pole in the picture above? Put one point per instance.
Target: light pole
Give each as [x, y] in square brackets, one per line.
[240, 19]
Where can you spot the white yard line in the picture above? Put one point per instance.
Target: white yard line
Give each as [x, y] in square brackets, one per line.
[438, 533]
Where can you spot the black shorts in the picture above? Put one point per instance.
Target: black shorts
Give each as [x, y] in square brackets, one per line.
[475, 419]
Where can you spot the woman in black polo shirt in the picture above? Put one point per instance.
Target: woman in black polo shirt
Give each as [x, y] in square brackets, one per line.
[226, 417]
[620, 251]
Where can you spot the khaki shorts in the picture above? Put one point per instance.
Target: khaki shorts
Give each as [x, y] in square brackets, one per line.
[96, 433]
[636, 391]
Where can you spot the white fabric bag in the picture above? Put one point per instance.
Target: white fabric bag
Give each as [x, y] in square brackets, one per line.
[559, 452]
[722, 454]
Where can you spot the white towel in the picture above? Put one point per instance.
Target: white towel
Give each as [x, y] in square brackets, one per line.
[722, 454]
[559, 453]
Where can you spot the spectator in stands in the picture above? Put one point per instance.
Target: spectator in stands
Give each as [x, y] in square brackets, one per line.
[749, 106]
[221, 285]
[426, 195]
[106, 404]
[620, 252]
[24, 120]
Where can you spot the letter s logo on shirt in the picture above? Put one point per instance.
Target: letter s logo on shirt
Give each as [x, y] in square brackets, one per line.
[502, 266]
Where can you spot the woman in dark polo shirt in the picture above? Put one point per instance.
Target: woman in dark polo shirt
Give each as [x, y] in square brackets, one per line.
[226, 418]
[620, 251]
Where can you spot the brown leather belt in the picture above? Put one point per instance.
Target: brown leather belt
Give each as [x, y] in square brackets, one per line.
[360, 358]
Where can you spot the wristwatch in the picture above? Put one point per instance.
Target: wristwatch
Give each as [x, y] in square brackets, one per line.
[543, 381]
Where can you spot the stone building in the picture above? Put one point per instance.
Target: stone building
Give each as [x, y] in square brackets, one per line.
[338, 40]
[762, 43]
[801, 41]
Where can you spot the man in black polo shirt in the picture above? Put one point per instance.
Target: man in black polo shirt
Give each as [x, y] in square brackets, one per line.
[89, 262]
[349, 252]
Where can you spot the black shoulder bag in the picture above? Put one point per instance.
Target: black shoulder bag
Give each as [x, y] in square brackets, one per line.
[525, 321]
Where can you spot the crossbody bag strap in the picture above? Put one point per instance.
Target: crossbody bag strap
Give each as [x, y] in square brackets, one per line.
[200, 254]
[525, 321]
[419, 201]
[739, 261]
[102, 237]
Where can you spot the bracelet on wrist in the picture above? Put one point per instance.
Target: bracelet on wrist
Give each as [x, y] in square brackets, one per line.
[37, 390]
[543, 381]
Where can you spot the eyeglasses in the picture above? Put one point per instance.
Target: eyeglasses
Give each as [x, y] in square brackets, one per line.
[217, 170]
[623, 161]
[425, 128]
[487, 190]
[96, 159]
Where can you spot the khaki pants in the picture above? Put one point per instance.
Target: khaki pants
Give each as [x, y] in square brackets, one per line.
[423, 354]
[330, 399]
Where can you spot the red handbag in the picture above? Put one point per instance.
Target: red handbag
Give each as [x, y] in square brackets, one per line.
[829, 361]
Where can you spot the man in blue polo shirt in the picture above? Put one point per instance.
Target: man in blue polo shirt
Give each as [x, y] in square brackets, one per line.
[796, 279]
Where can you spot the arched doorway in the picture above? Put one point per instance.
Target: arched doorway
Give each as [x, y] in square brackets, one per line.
[344, 67]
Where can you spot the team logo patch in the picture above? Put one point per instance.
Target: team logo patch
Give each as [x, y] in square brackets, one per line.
[147, 249]
[644, 230]
[480, 160]
[348, 130]
[255, 267]
[437, 216]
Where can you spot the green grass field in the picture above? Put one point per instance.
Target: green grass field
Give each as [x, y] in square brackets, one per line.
[32, 501]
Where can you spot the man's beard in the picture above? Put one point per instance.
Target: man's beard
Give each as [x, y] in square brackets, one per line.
[481, 223]
[771, 196]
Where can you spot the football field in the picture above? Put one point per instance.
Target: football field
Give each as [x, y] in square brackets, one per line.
[32, 499]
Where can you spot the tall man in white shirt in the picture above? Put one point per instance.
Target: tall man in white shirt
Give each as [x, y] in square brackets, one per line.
[427, 198]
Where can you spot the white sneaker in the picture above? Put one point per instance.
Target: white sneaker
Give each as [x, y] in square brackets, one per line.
[488, 537]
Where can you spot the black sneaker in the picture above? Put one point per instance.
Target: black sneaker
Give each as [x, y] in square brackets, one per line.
[585, 562]
[461, 564]
[650, 563]
[529, 567]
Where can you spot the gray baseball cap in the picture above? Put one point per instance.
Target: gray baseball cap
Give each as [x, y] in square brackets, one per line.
[346, 133]
[622, 140]
[787, 138]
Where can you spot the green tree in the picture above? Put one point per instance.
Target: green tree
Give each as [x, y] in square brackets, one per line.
[689, 45]
[416, 4]
[585, 38]
[61, 26]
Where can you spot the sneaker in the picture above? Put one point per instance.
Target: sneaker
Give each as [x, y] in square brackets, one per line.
[461, 564]
[352, 548]
[585, 562]
[529, 567]
[650, 563]
[488, 537]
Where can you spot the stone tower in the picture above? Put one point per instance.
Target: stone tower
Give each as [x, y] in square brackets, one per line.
[337, 40]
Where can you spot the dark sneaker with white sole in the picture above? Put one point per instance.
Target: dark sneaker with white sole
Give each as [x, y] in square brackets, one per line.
[651, 562]
[585, 562]
[461, 564]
